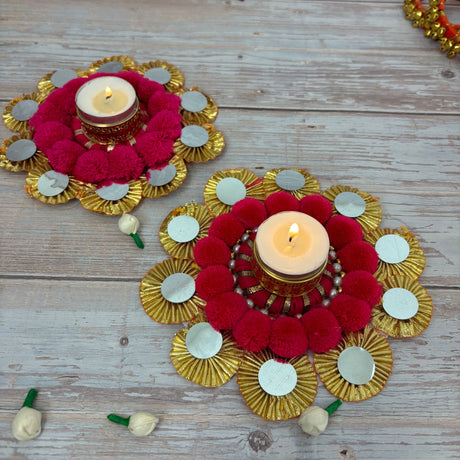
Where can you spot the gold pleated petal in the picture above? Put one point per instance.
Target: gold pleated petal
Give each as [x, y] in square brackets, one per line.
[371, 217]
[311, 183]
[415, 262]
[11, 122]
[24, 165]
[185, 250]
[34, 175]
[46, 87]
[93, 202]
[411, 327]
[128, 63]
[253, 183]
[379, 348]
[211, 372]
[272, 407]
[207, 115]
[156, 306]
[151, 191]
[206, 152]
[177, 78]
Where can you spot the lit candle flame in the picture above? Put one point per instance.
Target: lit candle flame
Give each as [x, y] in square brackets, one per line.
[108, 92]
[293, 231]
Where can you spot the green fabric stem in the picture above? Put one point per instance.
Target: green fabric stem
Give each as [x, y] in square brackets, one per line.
[117, 419]
[138, 241]
[30, 398]
[333, 407]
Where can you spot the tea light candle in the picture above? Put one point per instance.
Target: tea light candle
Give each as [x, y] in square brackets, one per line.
[290, 249]
[106, 100]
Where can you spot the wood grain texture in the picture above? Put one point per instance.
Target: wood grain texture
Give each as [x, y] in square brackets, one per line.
[348, 90]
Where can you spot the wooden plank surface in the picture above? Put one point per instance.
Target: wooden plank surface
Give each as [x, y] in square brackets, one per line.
[348, 90]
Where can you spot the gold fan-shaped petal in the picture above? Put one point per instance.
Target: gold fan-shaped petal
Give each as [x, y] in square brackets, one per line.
[415, 262]
[17, 125]
[156, 306]
[34, 175]
[177, 78]
[93, 202]
[371, 217]
[206, 152]
[211, 372]
[151, 191]
[128, 63]
[378, 347]
[207, 115]
[272, 407]
[46, 87]
[311, 184]
[24, 165]
[253, 183]
[411, 327]
[185, 250]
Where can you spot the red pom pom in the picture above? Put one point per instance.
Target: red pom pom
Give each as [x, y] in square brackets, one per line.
[49, 112]
[124, 164]
[212, 281]
[316, 206]
[343, 230]
[63, 155]
[211, 251]
[50, 133]
[351, 313]
[358, 255]
[64, 99]
[226, 227]
[163, 101]
[260, 298]
[322, 329]
[288, 338]
[92, 166]
[147, 88]
[363, 285]
[281, 201]
[167, 123]
[74, 85]
[131, 77]
[252, 331]
[225, 309]
[250, 212]
[155, 150]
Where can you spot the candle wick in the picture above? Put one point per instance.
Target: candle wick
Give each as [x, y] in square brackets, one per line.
[108, 97]
[290, 239]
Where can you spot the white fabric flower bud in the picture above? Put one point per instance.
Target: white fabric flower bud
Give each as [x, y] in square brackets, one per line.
[128, 224]
[27, 424]
[314, 420]
[142, 423]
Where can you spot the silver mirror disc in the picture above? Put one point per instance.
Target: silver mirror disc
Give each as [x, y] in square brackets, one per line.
[61, 77]
[194, 136]
[24, 110]
[113, 192]
[183, 228]
[349, 204]
[356, 365]
[290, 180]
[52, 183]
[111, 67]
[21, 150]
[392, 249]
[159, 177]
[178, 288]
[230, 190]
[203, 341]
[400, 303]
[158, 74]
[193, 101]
[277, 379]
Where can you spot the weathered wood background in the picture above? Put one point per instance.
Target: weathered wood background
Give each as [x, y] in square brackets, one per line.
[348, 90]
